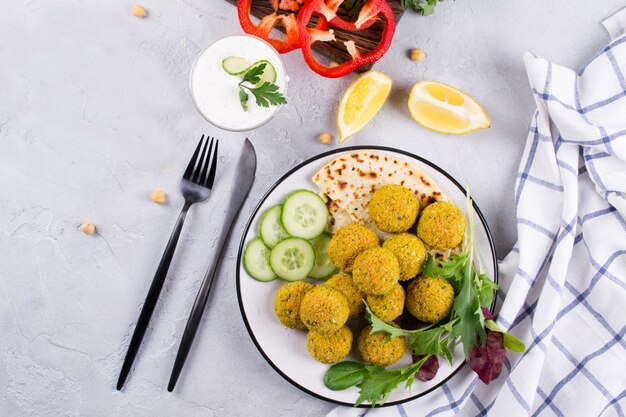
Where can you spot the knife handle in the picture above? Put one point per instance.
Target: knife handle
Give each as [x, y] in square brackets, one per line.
[199, 305]
[192, 325]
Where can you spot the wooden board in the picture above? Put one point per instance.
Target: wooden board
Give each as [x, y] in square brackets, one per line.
[366, 39]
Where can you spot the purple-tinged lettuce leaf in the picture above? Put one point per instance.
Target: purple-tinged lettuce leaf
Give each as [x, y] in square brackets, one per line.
[487, 360]
[429, 368]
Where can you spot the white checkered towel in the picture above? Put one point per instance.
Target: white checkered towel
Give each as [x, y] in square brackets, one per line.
[565, 281]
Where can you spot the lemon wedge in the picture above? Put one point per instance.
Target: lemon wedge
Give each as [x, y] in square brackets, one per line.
[445, 109]
[361, 101]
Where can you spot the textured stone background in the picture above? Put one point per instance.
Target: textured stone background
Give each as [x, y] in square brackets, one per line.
[95, 113]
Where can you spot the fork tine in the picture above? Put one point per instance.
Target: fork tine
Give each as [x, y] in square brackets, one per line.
[205, 165]
[203, 157]
[211, 177]
[192, 162]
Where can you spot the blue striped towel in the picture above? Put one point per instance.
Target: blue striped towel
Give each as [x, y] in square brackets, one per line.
[565, 280]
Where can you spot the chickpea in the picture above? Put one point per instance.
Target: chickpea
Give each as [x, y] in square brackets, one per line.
[325, 138]
[88, 228]
[417, 54]
[158, 196]
[139, 11]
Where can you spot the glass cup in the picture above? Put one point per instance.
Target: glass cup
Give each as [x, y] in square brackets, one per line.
[215, 93]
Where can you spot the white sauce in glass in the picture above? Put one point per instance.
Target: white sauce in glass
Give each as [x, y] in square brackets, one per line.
[216, 93]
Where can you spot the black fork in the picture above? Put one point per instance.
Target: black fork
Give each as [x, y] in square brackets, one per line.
[195, 187]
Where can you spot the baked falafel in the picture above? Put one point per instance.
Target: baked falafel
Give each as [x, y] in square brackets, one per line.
[348, 243]
[287, 303]
[441, 225]
[410, 252]
[429, 299]
[376, 271]
[354, 296]
[324, 309]
[329, 347]
[393, 208]
[376, 350]
[387, 307]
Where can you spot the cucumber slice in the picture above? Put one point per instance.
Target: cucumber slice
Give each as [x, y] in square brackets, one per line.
[304, 214]
[323, 267]
[235, 65]
[292, 259]
[269, 73]
[271, 229]
[256, 261]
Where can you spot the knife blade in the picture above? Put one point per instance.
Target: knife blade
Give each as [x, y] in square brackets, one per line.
[246, 168]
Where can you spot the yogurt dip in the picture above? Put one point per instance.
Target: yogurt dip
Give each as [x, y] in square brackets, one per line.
[216, 93]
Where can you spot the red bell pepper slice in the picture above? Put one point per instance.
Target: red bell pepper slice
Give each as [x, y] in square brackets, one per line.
[267, 23]
[367, 16]
[326, 10]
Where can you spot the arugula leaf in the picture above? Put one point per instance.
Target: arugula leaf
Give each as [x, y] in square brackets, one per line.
[379, 383]
[470, 328]
[466, 304]
[452, 269]
[486, 290]
[379, 326]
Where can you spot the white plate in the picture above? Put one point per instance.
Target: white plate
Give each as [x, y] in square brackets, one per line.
[285, 349]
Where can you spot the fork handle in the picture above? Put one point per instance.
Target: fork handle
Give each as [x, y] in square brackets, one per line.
[152, 297]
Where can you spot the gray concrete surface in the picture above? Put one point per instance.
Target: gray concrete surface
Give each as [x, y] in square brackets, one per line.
[95, 113]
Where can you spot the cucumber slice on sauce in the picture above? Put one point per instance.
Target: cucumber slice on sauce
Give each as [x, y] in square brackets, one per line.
[269, 73]
[256, 261]
[304, 214]
[236, 65]
[323, 267]
[271, 229]
[292, 259]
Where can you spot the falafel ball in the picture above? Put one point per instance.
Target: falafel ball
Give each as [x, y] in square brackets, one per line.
[441, 225]
[345, 284]
[393, 208]
[287, 303]
[410, 251]
[387, 307]
[324, 309]
[348, 243]
[376, 350]
[331, 347]
[429, 299]
[376, 271]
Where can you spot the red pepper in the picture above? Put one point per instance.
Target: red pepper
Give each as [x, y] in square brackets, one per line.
[263, 29]
[326, 10]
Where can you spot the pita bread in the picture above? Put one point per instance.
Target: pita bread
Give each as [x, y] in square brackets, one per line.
[348, 182]
[338, 217]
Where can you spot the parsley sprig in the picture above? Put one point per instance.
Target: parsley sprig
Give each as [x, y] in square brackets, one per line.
[265, 94]
[425, 7]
